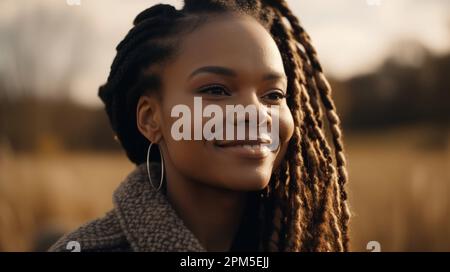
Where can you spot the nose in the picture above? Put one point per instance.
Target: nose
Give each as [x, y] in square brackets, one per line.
[250, 117]
[260, 110]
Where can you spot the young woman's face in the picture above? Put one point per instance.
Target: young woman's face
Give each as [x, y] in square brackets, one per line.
[247, 70]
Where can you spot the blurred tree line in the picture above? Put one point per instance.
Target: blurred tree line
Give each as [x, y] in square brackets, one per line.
[412, 87]
[35, 124]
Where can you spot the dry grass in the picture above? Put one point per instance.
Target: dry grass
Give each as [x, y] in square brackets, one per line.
[42, 194]
[399, 188]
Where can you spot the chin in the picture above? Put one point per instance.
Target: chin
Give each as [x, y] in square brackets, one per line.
[249, 181]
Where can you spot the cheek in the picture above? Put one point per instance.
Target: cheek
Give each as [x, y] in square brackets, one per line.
[287, 127]
[188, 157]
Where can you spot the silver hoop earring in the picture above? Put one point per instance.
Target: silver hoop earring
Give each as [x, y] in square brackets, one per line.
[148, 168]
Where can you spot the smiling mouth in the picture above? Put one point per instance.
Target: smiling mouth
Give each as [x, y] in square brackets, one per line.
[251, 149]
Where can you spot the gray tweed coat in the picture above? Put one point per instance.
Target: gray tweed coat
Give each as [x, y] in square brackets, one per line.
[141, 220]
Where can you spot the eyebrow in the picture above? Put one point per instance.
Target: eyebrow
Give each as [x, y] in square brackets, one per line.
[214, 70]
[274, 76]
[231, 73]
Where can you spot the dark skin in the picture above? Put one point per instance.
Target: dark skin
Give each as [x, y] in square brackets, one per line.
[207, 183]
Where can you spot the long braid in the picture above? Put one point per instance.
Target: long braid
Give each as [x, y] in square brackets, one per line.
[325, 95]
[275, 238]
[327, 152]
[312, 85]
[298, 175]
[326, 164]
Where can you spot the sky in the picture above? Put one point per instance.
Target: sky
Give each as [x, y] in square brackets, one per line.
[351, 37]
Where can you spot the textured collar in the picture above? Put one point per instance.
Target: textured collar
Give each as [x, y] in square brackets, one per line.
[147, 218]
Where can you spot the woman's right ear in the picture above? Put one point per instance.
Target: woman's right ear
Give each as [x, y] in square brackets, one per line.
[148, 118]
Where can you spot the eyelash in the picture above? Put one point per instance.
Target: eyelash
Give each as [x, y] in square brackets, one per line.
[280, 95]
[206, 89]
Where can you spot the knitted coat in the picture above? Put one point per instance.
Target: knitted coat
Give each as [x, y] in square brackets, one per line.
[142, 220]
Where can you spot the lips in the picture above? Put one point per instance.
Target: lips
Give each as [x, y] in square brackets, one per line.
[242, 143]
[263, 139]
[251, 149]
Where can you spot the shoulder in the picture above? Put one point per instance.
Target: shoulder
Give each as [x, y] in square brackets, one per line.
[102, 234]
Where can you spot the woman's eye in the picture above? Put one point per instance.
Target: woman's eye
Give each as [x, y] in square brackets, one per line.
[275, 96]
[215, 90]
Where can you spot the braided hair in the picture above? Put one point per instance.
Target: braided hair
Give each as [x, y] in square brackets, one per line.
[304, 207]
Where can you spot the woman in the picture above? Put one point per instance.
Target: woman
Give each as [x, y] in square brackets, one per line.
[215, 194]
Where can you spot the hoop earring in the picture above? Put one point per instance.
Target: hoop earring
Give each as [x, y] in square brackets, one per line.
[148, 168]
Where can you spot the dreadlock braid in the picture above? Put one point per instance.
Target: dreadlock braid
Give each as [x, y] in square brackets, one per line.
[304, 207]
[277, 217]
[324, 90]
[295, 187]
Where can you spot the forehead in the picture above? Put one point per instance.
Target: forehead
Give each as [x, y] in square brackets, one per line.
[238, 42]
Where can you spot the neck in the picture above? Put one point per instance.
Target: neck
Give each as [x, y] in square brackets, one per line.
[212, 214]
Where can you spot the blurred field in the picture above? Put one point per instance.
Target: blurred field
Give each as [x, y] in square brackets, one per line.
[399, 188]
[44, 195]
